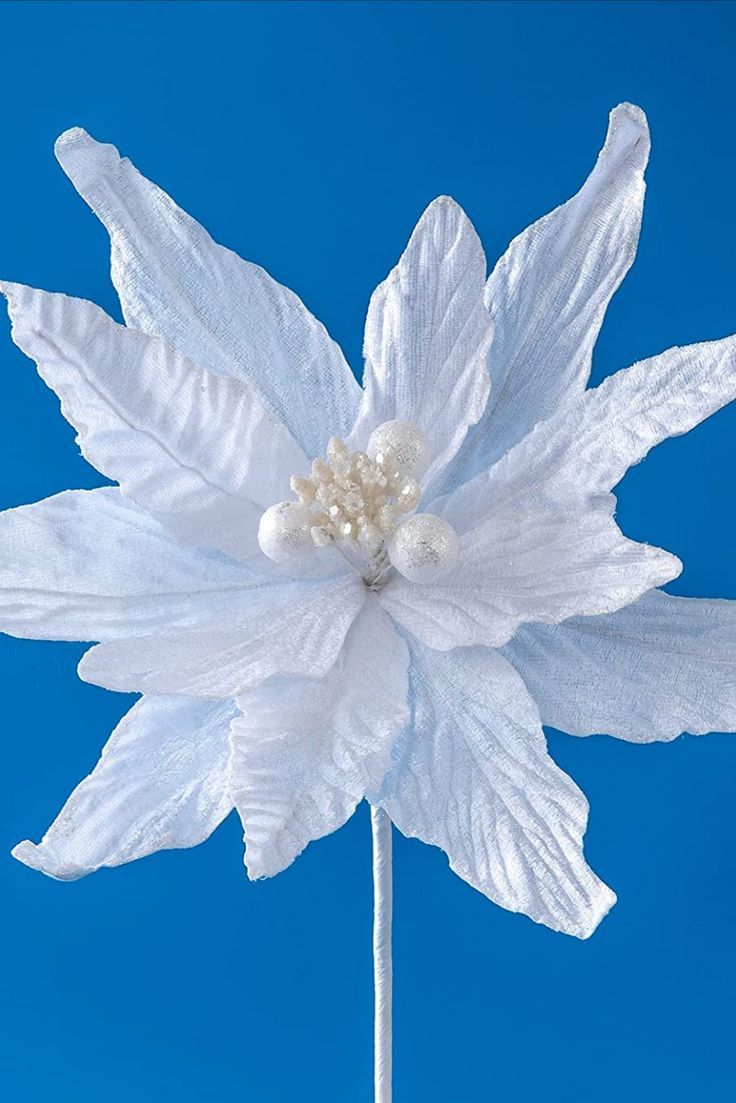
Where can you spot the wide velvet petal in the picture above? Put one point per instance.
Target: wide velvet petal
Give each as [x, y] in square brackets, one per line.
[92, 565]
[197, 450]
[472, 776]
[161, 783]
[663, 666]
[222, 312]
[427, 336]
[306, 751]
[539, 565]
[548, 295]
[291, 627]
[579, 454]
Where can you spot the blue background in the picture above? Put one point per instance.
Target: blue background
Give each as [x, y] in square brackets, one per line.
[309, 137]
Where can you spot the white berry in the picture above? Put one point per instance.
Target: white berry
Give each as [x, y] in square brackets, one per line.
[285, 533]
[423, 548]
[403, 444]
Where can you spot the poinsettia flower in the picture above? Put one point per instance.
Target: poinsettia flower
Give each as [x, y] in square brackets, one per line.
[328, 593]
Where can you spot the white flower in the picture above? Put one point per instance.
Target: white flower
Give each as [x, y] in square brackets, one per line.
[293, 692]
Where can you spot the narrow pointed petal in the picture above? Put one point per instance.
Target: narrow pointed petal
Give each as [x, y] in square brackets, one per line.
[577, 456]
[220, 311]
[472, 776]
[91, 565]
[291, 628]
[663, 666]
[306, 751]
[528, 566]
[161, 783]
[548, 295]
[197, 450]
[427, 336]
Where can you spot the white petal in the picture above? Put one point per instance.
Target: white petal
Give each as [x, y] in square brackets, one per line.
[286, 628]
[548, 295]
[196, 449]
[91, 565]
[220, 311]
[533, 566]
[161, 783]
[306, 751]
[473, 777]
[427, 336]
[663, 666]
[578, 455]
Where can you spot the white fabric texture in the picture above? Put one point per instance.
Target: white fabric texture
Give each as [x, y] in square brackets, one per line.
[91, 565]
[539, 565]
[663, 666]
[197, 450]
[548, 295]
[295, 697]
[290, 628]
[161, 783]
[473, 776]
[427, 336]
[306, 750]
[579, 454]
[220, 311]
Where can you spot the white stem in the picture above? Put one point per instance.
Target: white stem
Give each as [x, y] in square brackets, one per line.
[382, 964]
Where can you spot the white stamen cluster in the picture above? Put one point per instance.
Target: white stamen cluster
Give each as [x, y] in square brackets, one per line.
[354, 501]
[353, 498]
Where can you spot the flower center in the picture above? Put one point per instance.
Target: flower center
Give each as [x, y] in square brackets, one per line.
[356, 501]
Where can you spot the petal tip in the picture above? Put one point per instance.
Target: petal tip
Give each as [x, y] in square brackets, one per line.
[87, 670]
[72, 136]
[632, 111]
[672, 567]
[71, 144]
[446, 223]
[84, 664]
[603, 903]
[8, 289]
[263, 867]
[628, 135]
[445, 205]
[42, 859]
[25, 852]
[447, 202]
[81, 156]
[17, 297]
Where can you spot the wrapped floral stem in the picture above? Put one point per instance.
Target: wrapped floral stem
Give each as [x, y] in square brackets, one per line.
[382, 957]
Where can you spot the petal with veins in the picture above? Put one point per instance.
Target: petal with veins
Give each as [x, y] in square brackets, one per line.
[292, 627]
[91, 565]
[161, 783]
[663, 666]
[472, 776]
[306, 751]
[220, 311]
[548, 295]
[578, 455]
[199, 451]
[427, 335]
[534, 566]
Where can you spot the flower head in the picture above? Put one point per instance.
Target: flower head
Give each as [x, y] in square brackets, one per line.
[328, 593]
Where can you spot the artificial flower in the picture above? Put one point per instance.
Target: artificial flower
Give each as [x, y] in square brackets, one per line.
[328, 593]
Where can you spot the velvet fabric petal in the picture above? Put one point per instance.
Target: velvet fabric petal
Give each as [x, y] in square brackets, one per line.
[472, 776]
[305, 751]
[222, 312]
[662, 666]
[161, 783]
